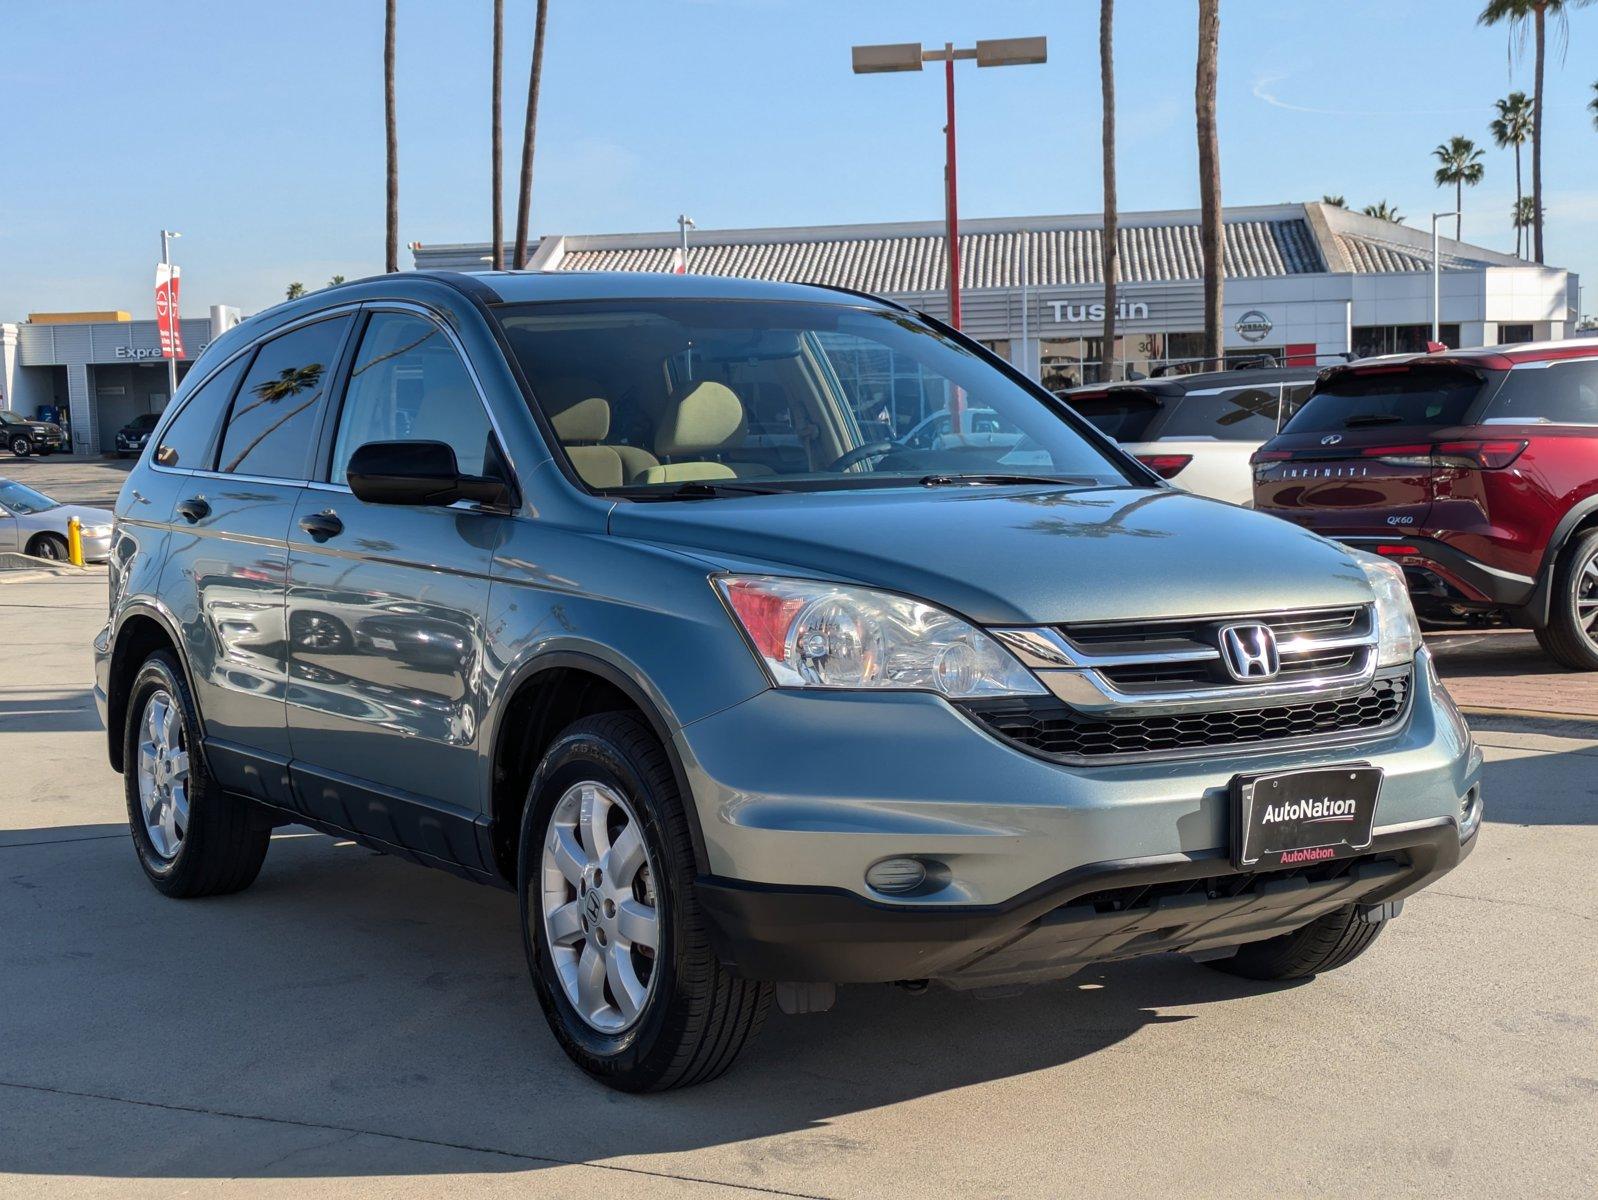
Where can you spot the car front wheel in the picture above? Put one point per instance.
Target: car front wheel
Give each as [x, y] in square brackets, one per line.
[1326, 943]
[615, 940]
[21, 446]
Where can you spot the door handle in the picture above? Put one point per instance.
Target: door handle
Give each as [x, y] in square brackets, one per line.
[194, 509]
[322, 525]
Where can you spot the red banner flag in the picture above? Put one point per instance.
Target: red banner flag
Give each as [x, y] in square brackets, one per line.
[167, 323]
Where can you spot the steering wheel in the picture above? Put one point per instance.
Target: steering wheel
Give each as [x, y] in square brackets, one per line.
[860, 454]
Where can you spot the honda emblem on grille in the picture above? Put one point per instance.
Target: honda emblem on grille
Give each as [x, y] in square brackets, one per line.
[1249, 652]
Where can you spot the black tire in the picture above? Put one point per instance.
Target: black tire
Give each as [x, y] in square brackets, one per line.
[698, 1016]
[21, 446]
[49, 545]
[1325, 944]
[1566, 639]
[225, 841]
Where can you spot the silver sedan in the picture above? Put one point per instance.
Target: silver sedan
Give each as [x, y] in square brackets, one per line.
[35, 524]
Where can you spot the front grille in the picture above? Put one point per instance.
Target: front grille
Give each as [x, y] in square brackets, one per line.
[1051, 729]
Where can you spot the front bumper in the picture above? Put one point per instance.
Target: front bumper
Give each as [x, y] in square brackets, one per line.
[1441, 576]
[799, 793]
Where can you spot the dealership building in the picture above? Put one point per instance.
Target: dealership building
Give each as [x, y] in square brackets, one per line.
[95, 371]
[1304, 282]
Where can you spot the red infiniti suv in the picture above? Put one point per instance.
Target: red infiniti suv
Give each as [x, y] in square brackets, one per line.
[1476, 470]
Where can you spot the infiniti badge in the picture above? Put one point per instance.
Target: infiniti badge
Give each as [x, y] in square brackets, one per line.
[1249, 652]
[1331, 439]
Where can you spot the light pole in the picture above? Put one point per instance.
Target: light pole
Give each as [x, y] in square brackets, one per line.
[172, 359]
[1436, 278]
[684, 224]
[909, 56]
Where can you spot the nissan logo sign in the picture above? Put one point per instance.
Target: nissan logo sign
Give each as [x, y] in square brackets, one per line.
[1253, 326]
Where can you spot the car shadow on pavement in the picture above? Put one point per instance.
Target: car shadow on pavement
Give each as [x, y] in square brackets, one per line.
[48, 710]
[348, 993]
[1542, 788]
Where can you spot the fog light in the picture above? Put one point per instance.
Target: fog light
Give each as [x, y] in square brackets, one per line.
[895, 876]
[1470, 812]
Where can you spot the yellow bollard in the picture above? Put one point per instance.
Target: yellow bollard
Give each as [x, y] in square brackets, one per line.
[75, 542]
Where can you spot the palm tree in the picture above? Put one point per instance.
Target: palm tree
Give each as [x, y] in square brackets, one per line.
[392, 137]
[1461, 165]
[1384, 211]
[1334, 201]
[1592, 104]
[1524, 215]
[524, 199]
[1110, 236]
[335, 281]
[1511, 127]
[1517, 14]
[498, 152]
[295, 290]
[1209, 155]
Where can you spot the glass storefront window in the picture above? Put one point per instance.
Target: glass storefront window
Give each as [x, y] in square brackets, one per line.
[1371, 340]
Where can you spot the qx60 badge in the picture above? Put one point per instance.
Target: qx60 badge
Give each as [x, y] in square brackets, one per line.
[1249, 652]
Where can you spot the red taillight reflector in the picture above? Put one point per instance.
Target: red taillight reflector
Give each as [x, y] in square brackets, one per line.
[1397, 551]
[1263, 456]
[1490, 456]
[1165, 465]
[1420, 449]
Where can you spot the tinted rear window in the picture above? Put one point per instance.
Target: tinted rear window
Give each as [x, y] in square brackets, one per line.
[1238, 414]
[1426, 398]
[1562, 394]
[1126, 418]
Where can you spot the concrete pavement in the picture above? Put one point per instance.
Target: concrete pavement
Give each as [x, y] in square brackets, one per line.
[354, 1026]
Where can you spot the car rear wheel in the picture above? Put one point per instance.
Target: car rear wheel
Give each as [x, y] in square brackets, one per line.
[615, 941]
[1571, 635]
[1325, 944]
[21, 446]
[49, 545]
[192, 839]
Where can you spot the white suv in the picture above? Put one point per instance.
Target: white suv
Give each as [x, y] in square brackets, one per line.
[1198, 431]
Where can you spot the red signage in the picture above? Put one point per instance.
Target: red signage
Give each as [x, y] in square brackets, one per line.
[167, 323]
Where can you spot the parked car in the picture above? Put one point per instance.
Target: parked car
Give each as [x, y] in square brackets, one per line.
[733, 732]
[969, 427]
[1474, 470]
[24, 436]
[36, 524]
[132, 436]
[1198, 431]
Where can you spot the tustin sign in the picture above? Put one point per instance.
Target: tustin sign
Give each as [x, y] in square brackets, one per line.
[1068, 313]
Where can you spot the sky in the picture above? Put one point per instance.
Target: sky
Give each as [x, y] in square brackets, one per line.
[256, 130]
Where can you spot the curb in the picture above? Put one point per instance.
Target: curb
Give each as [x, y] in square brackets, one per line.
[1520, 720]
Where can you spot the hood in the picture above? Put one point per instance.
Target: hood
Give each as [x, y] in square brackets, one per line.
[56, 518]
[1013, 556]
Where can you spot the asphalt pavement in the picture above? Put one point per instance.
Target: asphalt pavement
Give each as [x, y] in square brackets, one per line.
[355, 1026]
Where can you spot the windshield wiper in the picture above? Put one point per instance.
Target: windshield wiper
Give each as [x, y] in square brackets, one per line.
[1373, 419]
[701, 489]
[981, 480]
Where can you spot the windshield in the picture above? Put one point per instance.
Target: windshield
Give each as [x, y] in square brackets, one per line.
[19, 499]
[737, 396]
[7, 417]
[1426, 397]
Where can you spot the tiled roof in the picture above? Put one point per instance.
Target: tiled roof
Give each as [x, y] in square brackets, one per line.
[1374, 256]
[915, 262]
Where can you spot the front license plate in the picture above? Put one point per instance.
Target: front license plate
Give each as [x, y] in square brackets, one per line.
[1296, 817]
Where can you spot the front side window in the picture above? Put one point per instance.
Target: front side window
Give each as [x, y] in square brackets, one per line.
[1564, 393]
[190, 437]
[273, 422]
[652, 394]
[408, 384]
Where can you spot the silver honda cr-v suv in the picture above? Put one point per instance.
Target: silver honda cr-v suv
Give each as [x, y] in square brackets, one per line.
[633, 594]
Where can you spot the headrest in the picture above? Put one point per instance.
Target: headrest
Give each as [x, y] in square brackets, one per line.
[586, 421]
[708, 417]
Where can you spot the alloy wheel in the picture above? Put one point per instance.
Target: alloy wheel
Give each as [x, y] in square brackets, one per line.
[1586, 597]
[50, 548]
[601, 923]
[21, 447]
[163, 772]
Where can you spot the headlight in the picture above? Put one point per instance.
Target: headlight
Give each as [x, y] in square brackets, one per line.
[97, 531]
[1397, 631]
[824, 635]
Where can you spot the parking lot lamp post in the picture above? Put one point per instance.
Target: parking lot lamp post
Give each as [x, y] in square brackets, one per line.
[909, 56]
[684, 224]
[172, 360]
[1436, 279]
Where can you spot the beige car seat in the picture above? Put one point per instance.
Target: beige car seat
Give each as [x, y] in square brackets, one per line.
[707, 420]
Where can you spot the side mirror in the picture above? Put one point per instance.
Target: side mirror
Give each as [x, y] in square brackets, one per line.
[417, 473]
